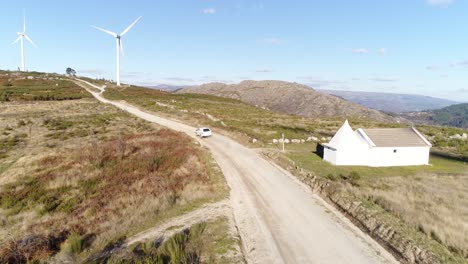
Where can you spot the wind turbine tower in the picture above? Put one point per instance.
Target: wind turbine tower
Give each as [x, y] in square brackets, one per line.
[119, 48]
[21, 37]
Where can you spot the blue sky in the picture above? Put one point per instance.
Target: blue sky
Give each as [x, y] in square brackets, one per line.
[398, 46]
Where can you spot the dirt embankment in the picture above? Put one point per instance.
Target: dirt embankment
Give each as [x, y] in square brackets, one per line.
[402, 247]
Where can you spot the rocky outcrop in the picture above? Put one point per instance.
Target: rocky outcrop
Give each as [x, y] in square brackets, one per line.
[463, 136]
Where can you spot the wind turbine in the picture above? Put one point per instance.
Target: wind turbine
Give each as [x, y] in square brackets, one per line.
[21, 37]
[118, 39]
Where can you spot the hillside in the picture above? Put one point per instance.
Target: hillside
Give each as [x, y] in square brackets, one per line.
[62, 157]
[391, 102]
[409, 213]
[454, 115]
[165, 87]
[289, 98]
[77, 177]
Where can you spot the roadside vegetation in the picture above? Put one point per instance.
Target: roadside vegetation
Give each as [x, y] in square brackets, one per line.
[77, 177]
[204, 242]
[426, 203]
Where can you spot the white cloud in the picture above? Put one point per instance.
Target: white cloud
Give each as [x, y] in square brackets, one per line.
[440, 2]
[209, 11]
[360, 51]
[179, 79]
[318, 82]
[264, 70]
[133, 74]
[461, 90]
[91, 71]
[433, 67]
[216, 80]
[463, 63]
[382, 51]
[384, 79]
[273, 41]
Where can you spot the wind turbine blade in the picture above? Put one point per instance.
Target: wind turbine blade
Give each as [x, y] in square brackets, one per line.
[16, 40]
[106, 31]
[30, 40]
[24, 21]
[121, 48]
[129, 27]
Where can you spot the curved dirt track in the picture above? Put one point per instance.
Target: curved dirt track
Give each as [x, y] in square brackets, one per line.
[279, 220]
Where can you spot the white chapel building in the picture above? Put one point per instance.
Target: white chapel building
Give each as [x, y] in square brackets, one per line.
[380, 147]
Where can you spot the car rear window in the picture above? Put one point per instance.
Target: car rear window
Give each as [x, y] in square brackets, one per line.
[206, 130]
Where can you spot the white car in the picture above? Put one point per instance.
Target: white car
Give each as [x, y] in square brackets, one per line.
[203, 132]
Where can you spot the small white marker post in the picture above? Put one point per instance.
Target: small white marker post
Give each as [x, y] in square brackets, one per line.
[283, 140]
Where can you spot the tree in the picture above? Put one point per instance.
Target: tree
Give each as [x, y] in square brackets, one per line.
[71, 71]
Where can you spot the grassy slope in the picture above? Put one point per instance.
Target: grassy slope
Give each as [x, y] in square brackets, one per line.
[384, 184]
[236, 116]
[78, 170]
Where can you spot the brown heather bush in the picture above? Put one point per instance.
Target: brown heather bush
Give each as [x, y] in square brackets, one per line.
[30, 247]
[96, 189]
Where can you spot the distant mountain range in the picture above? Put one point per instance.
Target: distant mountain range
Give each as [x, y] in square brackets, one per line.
[390, 102]
[290, 98]
[166, 87]
[454, 115]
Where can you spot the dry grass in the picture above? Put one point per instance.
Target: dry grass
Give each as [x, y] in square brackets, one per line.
[434, 204]
[106, 182]
[84, 174]
[46, 127]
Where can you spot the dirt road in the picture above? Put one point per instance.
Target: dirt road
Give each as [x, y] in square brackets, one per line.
[279, 219]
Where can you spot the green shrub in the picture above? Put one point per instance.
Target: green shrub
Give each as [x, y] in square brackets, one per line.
[68, 205]
[354, 178]
[331, 177]
[8, 200]
[174, 248]
[21, 123]
[75, 243]
[435, 236]
[49, 205]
